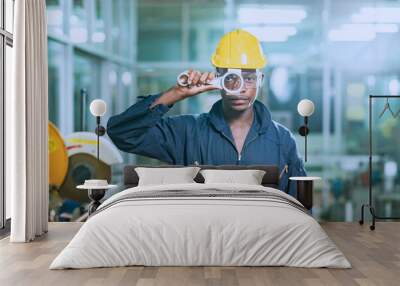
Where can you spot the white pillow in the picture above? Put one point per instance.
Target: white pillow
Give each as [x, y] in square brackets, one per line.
[249, 177]
[164, 176]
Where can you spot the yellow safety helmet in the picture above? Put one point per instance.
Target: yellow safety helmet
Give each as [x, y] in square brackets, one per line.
[239, 49]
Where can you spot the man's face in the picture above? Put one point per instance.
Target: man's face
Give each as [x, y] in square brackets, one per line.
[242, 101]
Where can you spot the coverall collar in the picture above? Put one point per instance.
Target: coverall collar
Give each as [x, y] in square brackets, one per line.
[262, 117]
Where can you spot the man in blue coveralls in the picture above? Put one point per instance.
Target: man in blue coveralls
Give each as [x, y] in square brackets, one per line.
[238, 130]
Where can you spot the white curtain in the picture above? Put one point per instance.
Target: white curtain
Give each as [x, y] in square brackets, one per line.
[26, 124]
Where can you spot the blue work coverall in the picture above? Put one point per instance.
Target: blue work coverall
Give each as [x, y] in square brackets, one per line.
[205, 139]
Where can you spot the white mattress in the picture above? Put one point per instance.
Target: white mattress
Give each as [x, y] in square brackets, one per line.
[183, 231]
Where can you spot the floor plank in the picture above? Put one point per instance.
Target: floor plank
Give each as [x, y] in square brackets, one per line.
[375, 257]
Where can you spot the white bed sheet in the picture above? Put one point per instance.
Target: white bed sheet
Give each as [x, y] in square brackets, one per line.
[200, 231]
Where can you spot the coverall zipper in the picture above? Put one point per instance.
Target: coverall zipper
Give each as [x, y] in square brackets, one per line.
[233, 143]
[244, 147]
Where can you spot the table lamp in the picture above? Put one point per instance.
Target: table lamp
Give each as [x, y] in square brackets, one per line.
[305, 108]
[96, 188]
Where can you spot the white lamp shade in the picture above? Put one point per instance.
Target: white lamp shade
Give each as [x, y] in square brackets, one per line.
[305, 107]
[98, 107]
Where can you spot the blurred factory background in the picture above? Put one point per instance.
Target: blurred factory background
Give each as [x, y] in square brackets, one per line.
[334, 52]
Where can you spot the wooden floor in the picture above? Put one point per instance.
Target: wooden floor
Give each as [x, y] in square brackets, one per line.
[375, 257]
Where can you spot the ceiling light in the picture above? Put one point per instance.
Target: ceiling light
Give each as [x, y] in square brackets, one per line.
[377, 28]
[98, 37]
[272, 33]
[271, 15]
[377, 15]
[351, 36]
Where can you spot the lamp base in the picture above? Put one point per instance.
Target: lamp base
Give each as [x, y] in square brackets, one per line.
[305, 193]
[95, 196]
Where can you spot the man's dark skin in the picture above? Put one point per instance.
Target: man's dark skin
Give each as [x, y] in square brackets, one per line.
[238, 112]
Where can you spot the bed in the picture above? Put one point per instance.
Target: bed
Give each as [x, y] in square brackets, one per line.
[201, 224]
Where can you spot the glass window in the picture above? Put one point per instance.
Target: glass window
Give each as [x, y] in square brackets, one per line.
[1, 16]
[9, 13]
[8, 85]
[206, 28]
[156, 45]
[127, 87]
[122, 30]
[78, 22]
[86, 78]
[116, 27]
[127, 27]
[56, 64]
[159, 37]
[155, 81]
[312, 90]
[202, 43]
[99, 36]
[113, 76]
[55, 17]
[2, 136]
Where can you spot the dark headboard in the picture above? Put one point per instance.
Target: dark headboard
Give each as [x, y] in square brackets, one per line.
[270, 179]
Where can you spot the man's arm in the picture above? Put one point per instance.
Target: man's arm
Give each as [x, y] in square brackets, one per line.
[141, 129]
[177, 93]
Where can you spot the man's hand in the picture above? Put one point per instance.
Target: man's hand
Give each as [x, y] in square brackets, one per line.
[197, 84]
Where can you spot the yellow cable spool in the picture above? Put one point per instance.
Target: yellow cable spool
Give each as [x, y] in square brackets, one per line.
[58, 158]
[82, 167]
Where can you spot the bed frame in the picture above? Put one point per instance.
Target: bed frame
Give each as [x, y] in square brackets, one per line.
[270, 179]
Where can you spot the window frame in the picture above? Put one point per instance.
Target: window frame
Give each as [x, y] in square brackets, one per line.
[6, 39]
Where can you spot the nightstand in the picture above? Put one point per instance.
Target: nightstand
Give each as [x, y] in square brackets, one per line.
[305, 190]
